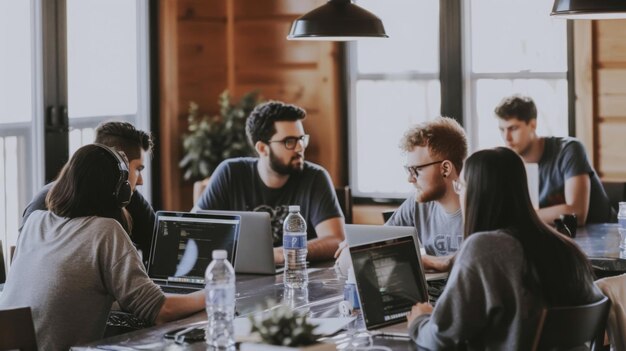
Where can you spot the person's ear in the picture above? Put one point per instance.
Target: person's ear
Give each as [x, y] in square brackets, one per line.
[533, 124]
[261, 148]
[446, 168]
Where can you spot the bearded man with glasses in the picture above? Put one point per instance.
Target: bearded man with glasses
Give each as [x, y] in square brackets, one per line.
[279, 177]
[435, 151]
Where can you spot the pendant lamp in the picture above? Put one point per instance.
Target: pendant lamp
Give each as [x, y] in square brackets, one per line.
[589, 9]
[337, 20]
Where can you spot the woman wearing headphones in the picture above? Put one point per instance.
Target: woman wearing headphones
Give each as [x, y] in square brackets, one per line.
[510, 265]
[73, 261]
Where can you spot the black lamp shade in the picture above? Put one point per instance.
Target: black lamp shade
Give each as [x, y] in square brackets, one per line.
[589, 9]
[337, 20]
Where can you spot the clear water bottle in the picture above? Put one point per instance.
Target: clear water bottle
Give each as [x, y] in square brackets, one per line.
[220, 301]
[294, 249]
[621, 219]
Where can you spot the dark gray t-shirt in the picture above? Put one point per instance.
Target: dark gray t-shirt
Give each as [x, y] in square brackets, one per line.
[236, 186]
[440, 232]
[69, 272]
[562, 159]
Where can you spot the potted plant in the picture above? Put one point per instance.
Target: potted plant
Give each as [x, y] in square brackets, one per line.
[280, 329]
[211, 139]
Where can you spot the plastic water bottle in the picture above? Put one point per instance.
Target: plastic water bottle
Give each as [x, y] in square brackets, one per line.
[294, 249]
[220, 302]
[621, 219]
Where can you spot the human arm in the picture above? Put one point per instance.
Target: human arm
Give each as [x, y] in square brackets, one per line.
[329, 234]
[143, 217]
[178, 306]
[577, 195]
[437, 263]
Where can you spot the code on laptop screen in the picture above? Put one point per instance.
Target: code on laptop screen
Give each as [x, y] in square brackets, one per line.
[388, 278]
[183, 246]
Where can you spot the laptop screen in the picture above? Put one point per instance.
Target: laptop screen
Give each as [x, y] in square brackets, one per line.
[389, 280]
[183, 244]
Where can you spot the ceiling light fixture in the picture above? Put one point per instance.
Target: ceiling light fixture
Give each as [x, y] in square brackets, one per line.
[589, 9]
[337, 20]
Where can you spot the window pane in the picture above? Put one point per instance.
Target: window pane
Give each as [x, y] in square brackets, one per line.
[17, 112]
[102, 57]
[382, 118]
[550, 96]
[517, 35]
[15, 61]
[413, 43]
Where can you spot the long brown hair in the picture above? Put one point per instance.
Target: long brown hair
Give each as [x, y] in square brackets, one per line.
[85, 187]
[497, 199]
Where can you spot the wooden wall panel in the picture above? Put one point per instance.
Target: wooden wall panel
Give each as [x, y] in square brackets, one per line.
[612, 155]
[200, 9]
[273, 8]
[609, 98]
[611, 44]
[252, 52]
[611, 92]
[242, 45]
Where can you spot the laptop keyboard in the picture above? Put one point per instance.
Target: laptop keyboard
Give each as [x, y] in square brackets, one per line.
[126, 320]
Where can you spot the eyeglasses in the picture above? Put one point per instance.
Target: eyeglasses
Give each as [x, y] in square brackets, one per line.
[458, 185]
[291, 141]
[414, 170]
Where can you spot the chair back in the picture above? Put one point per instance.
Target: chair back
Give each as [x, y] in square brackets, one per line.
[616, 192]
[564, 328]
[344, 196]
[17, 331]
[3, 271]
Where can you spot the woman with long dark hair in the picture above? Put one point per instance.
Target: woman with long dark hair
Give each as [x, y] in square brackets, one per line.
[510, 266]
[73, 261]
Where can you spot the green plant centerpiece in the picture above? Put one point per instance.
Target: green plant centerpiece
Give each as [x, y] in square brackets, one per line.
[211, 139]
[281, 326]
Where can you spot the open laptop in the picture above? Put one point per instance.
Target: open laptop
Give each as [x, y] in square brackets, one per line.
[390, 280]
[182, 246]
[255, 250]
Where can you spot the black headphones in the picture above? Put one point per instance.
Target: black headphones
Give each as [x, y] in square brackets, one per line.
[122, 191]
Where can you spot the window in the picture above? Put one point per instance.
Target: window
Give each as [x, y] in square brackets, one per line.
[395, 83]
[107, 77]
[509, 56]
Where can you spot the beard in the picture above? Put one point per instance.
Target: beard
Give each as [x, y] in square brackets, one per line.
[434, 192]
[285, 168]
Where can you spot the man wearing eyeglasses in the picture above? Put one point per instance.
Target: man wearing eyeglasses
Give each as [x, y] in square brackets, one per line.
[279, 177]
[435, 151]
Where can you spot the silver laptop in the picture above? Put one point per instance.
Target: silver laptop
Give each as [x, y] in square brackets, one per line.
[390, 280]
[255, 250]
[183, 244]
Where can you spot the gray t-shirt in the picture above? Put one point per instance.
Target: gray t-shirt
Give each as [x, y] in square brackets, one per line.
[564, 158]
[487, 304]
[236, 186]
[440, 232]
[69, 272]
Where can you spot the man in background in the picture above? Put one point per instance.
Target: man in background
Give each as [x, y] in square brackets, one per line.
[279, 177]
[135, 143]
[567, 182]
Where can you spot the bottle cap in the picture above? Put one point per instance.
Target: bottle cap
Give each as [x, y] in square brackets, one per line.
[351, 277]
[294, 208]
[219, 254]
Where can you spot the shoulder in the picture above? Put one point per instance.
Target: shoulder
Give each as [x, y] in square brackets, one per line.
[235, 167]
[313, 168]
[489, 244]
[565, 144]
